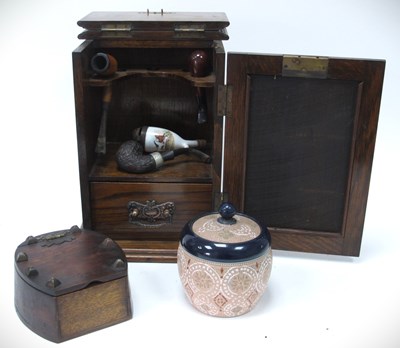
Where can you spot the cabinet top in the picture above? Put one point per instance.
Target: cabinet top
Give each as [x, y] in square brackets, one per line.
[155, 25]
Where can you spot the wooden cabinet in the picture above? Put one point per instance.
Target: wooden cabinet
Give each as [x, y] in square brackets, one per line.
[152, 86]
[299, 137]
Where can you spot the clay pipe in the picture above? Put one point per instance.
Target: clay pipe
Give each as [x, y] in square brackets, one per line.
[198, 67]
[102, 137]
[130, 158]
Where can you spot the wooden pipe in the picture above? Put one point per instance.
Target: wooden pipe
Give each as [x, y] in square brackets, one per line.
[199, 67]
[130, 157]
[102, 137]
[104, 64]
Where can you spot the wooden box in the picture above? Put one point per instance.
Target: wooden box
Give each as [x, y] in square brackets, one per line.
[69, 283]
[299, 135]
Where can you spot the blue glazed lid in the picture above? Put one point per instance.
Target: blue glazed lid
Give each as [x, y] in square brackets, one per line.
[226, 236]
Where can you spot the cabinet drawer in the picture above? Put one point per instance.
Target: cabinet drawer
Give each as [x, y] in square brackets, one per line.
[146, 211]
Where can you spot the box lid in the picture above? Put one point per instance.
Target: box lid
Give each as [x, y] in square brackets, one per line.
[64, 261]
[155, 25]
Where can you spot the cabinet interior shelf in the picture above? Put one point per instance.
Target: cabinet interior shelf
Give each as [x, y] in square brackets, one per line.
[207, 81]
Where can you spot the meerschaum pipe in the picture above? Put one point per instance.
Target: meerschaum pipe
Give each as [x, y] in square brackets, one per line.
[161, 139]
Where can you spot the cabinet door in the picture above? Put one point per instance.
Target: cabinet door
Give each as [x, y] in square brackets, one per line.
[299, 146]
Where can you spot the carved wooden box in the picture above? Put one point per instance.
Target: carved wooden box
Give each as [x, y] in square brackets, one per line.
[71, 282]
[299, 139]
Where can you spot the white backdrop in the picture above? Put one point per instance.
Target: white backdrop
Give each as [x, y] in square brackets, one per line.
[312, 300]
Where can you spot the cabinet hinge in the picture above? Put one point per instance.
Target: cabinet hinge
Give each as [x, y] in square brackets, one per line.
[116, 27]
[305, 66]
[224, 101]
[190, 28]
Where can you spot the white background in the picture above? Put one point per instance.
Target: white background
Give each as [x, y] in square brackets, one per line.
[312, 300]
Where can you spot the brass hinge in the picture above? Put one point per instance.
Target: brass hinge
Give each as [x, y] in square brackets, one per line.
[190, 28]
[116, 27]
[224, 107]
[305, 66]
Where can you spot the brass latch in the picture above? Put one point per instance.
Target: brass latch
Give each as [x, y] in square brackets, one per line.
[305, 66]
[224, 107]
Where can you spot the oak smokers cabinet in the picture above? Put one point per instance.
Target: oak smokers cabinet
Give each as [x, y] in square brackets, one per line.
[299, 137]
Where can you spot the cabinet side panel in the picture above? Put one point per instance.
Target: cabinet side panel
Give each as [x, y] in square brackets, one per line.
[85, 132]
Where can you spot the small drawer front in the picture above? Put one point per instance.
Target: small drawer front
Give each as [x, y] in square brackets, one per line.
[147, 211]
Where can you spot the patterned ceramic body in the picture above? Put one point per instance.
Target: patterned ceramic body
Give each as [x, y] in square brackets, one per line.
[224, 263]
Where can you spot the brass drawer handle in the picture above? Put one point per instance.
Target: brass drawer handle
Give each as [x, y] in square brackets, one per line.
[151, 214]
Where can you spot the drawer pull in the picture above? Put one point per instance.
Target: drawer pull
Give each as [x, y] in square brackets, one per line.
[150, 214]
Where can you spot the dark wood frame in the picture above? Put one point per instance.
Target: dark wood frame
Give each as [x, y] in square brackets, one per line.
[369, 75]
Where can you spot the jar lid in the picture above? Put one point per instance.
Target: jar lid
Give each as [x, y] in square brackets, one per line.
[225, 236]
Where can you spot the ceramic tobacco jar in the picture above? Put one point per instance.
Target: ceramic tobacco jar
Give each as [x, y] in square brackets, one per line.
[224, 262]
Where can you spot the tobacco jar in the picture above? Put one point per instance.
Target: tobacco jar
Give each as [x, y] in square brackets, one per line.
[224, 262]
